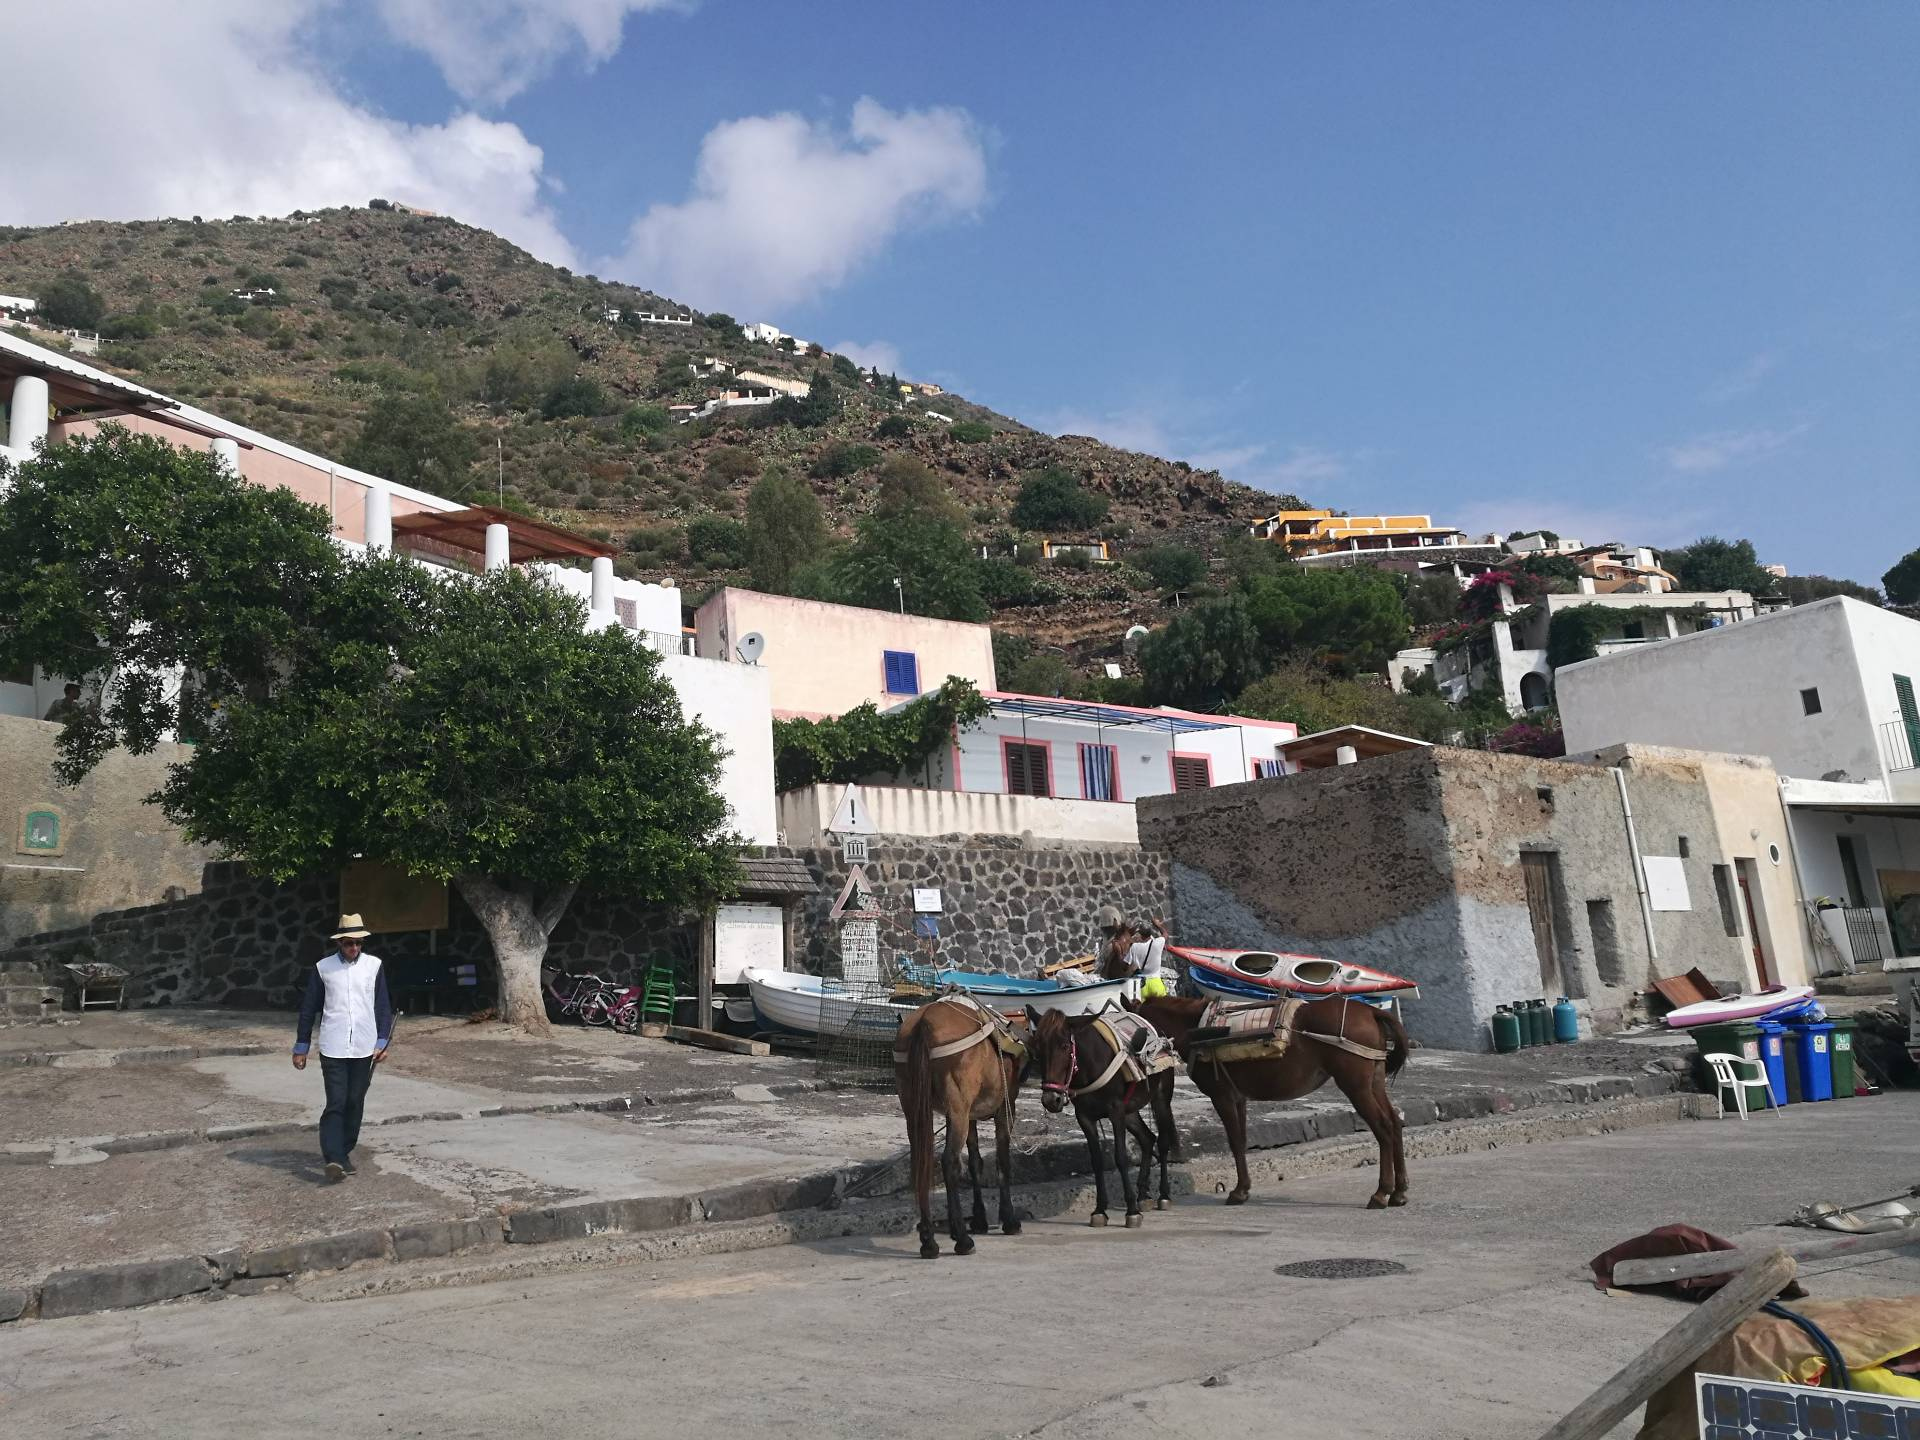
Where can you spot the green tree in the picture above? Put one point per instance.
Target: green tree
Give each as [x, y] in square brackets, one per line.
[1042, 674]
[836, 462]
[970, 432]
[1053, 499]
[414, 439]
[1711, 563]
[1902, 582]
[1352, 618]
[1250, 558]
[574, 397]
[645, 420]
[785, 530]
[731, 463]
[926, 553]
[1173, 567]
[1315, 699]
[1431, 599]
[717, 542]
[894, 427]
[1207, 655]
[70, 303]
[909, 487]
[1805, 589]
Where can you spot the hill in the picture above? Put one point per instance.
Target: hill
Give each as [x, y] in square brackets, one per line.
[561, 407]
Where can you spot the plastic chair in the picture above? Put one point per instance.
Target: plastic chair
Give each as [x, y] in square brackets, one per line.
[1726, 1073]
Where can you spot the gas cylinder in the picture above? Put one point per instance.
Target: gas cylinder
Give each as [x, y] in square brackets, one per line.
[1541, 1021]
[1506, 1030]
[1566, 1022]
[1524, 1020]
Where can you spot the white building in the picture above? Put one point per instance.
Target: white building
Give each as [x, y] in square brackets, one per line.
[19, 305]
[51, 397]
[659, 317]
[1827, 693]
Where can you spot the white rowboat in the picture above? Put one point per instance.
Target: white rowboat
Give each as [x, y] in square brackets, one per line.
[810, 1004]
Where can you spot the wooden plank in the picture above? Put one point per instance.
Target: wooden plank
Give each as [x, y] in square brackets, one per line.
[714, 1040]
[1725, 1262]
[703, 966]
[1703, 1328]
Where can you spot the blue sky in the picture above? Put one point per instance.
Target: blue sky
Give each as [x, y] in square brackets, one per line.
[1638, 272]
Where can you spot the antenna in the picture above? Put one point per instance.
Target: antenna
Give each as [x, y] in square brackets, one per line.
[751, 648]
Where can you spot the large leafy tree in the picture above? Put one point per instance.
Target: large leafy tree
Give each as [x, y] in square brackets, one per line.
[1351, 618]
[1316, 699]
[1054, 499]
[467, 729]
[416, 440]
[1711, 563]
[785, 530]
[1205, 657]
[1902, 582]
[916, 535]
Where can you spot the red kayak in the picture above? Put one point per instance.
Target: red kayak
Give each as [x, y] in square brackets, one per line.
[1296, 974]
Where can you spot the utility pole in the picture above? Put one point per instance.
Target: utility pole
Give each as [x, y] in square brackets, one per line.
[500, 469]
[899, 590]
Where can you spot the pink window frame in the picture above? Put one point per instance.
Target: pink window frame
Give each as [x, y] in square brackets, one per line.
[1006, 770]
[1173, 780]
[1080, 756]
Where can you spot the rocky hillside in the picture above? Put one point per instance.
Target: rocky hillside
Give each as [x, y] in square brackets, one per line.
[559, 403]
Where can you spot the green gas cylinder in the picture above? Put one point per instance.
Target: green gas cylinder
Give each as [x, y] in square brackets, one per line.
[1541, 1019]
[1520, 1019]
[1506, 1030]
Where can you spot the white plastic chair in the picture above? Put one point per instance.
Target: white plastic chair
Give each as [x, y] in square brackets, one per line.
[1726, 1073]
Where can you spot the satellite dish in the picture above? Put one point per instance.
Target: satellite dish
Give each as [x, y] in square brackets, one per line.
[1135, 634]
[751, 648]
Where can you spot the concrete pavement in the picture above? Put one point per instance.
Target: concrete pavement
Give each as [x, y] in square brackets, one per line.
[1180, 1328]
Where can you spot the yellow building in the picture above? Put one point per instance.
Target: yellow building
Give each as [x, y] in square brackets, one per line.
[1321, 532]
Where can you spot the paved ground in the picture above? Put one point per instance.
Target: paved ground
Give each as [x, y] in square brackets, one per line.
[1177, 1329]
[750, 1119]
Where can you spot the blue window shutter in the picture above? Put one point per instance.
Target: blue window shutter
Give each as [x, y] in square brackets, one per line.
[902, 672]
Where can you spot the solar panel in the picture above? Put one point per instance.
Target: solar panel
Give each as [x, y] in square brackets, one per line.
[1731, 1408]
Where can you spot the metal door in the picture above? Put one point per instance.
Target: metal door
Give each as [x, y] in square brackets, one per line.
[1538, 871]
[1753, 933]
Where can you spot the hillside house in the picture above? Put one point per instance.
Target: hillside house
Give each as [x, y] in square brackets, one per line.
[1826, 694]
[1318, 535]
[1095, 550]
[18, 307]
[658, 317]
[784, 384]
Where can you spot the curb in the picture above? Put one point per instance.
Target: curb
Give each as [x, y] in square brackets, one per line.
[41, 1152]
[818, 1205]
[113, 1059]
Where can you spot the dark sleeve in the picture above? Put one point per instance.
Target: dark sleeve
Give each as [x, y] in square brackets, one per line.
[311, 1004]
[382, 1007]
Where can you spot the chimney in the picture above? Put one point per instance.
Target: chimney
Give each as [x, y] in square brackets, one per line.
[379, 517]
[27, 417]
[498, 555]
[226, 454]
[1587, 586]
[1346, 755]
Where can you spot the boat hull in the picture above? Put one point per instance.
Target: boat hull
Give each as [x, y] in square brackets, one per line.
[1740, 1007]
[807, 1004]
[1266, 971]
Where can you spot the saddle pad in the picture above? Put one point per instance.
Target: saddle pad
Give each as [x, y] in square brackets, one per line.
[1256, 1030]
[1122, 1030]
[1004, 1040]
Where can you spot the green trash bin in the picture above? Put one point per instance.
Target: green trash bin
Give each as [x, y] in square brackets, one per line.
[1842, 1059]
[1733, 1037]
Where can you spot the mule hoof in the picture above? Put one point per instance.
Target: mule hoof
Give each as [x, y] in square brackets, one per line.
[1237, 1197]
[963, 1246]
[1162, 1204]
[1009, 1227]
[1376, 1202]
[929, 1252]
[1134, 1222]
[1399, 1197]
[1097, 1220]
[978, 1224]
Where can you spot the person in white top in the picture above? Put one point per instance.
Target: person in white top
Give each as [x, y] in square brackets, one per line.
[1134, 950]
[347, 995]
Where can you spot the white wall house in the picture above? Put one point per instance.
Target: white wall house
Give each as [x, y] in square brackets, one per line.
[1827, 693]
[51, 397]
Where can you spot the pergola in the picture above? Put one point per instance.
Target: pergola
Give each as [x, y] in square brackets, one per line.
[1322, 749]
[462, 534]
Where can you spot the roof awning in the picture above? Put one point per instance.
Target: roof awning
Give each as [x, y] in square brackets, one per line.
[76, 386]
[774, 876]
[1322, 749]
[527, 539]
[1037, 707]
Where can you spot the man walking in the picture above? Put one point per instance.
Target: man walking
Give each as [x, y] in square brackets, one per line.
[347, 993]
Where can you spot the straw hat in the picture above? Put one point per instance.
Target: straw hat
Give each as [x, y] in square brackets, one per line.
[1108, 918]
[351, 928]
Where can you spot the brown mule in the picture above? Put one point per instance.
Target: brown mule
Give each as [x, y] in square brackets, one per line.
[971, 1081]
[1071, 1055]
[1308, 1064]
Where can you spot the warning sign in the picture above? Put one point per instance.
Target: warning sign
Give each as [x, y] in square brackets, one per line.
[856, 896]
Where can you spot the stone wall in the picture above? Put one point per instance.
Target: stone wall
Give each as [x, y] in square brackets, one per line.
[1412, 863]
[118, 851]
[1007, 905]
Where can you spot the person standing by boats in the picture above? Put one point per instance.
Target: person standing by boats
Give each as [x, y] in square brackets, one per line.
[1133, 950]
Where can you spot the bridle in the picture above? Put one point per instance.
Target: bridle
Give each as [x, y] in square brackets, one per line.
[1065, 1087]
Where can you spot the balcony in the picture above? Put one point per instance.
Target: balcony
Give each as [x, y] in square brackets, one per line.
[1898, 744]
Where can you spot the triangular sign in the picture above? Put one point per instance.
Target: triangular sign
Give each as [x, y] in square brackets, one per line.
[851, 816]
[856, 896]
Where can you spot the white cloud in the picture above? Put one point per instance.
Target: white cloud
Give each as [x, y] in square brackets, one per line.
[1131, 431]
[1302, 468]
[1706, 453]
[491, 50]
[784, 209]
[213, 108]
[1745, 378]
[1657, 525]
[881, 355]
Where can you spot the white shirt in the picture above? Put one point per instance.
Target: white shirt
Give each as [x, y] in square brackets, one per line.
[1145, 956]
[347, 1026]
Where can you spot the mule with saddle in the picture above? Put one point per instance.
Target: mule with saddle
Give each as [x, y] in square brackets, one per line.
[964, 1058]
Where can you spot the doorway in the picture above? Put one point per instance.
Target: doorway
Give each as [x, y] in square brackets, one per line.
[1536, 867]
[1755, 907]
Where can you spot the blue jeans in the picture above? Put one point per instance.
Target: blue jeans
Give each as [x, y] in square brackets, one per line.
[347, 1082]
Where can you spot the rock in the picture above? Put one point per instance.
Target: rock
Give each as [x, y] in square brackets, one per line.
[13, 1304]
[332, 1252]
[121, 1287]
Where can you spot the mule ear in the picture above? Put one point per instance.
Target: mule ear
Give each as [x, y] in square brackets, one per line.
[1033, 1018]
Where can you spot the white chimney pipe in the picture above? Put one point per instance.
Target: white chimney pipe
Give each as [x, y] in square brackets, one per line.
[379, 517]
[1587, 586]
[498, 556]
[27, 416]
[602, 585]
[226, 454]
[1346, 755]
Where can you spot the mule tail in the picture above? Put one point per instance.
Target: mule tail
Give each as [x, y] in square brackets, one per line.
[1399, 1043]
[916, 1099]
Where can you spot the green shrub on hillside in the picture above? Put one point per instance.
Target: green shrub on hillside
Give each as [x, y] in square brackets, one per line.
[836, 462]
[970, 432]
[717, 543]
[1053, 500]
[578, 397]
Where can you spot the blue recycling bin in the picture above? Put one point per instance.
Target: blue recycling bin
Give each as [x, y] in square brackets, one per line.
[1773, 1055]
[1810, 1048]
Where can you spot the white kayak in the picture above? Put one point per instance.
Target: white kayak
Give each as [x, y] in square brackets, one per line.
[811, 1004]
[1740, 1007]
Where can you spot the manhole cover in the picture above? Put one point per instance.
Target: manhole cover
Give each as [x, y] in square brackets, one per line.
[1340, 1269]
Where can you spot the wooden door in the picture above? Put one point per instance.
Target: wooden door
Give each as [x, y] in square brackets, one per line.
[1538, 872]
[1753, 934]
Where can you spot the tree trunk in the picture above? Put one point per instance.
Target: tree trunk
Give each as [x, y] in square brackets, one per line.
[518, 927]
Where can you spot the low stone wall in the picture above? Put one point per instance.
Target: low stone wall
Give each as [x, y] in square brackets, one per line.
[1005, 905]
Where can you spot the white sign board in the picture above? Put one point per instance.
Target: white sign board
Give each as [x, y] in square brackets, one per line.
[860, 951]
[747, 935]
[1666, 882]
[854, 849]
[851, 816]
[926, 902]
